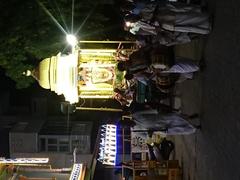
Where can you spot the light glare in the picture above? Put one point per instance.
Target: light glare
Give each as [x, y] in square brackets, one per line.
[128, 24]
[71, 39]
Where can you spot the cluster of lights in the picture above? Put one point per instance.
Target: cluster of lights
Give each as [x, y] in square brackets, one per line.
[108, 144]
[76, 172]
[24, 160]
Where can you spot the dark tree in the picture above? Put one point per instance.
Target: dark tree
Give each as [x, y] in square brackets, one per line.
[29, 34]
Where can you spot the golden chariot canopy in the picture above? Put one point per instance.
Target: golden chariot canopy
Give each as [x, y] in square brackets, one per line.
[85, 73]
[59, 73]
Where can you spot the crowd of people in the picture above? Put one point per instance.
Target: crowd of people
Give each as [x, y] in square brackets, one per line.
[169, 23]
[152, 70]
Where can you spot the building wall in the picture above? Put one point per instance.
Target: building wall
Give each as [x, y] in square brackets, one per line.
[23, 142]
[81, 142]
[57, 160]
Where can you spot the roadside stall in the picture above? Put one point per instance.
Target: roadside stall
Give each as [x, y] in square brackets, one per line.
[142, 166]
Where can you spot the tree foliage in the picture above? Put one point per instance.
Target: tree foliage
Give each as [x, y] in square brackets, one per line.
[29, 34]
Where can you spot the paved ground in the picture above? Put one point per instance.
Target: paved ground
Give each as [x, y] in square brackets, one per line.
[214, 152]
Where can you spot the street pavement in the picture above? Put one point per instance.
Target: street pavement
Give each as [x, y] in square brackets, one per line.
[213, 153]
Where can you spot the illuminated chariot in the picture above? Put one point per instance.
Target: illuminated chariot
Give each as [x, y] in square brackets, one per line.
[89, 71]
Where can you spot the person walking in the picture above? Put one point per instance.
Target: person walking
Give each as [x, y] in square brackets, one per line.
[171, 123]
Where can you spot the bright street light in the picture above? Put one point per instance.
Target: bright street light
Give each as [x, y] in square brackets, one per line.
[71, 39]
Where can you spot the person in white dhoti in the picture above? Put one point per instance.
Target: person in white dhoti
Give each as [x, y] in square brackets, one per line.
[178, 17]
[184, 67]
[192, 22]
[162, 37]
[182, 19]
[171, 38]
[166, 123]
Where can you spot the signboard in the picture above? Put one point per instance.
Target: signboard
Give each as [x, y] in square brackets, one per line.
[24, 161]
[76, 172]
[108, 144]
[138, 142]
